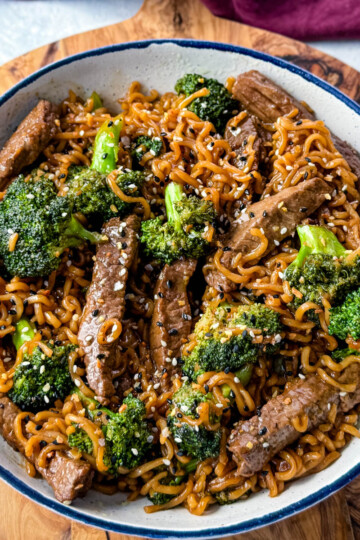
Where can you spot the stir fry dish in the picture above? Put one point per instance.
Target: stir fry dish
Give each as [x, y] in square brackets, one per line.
[179, 293]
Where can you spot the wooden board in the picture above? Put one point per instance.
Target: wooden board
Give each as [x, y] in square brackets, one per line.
[337, 518]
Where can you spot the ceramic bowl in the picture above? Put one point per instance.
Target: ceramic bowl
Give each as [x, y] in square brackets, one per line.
[158, 64]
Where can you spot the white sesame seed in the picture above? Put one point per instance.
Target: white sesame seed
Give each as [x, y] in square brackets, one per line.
[46, 387]
[283, 230]
[266, 444]
[174, 362]
[135, 451]
[42, 369]
[46, 399]
[156, 385]
[118, 286]
[81, 133]
[276, 242]
[88, 338]
[150, 438]
[219, 405]
[166, 462]
[301, 376]
[342, 394]
[236, 379]
[163, 343]
[77, 383]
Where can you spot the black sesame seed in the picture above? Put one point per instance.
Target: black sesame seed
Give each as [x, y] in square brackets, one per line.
[38, 428]
[251, 214]
[58, 343]
[124, 245]
[253, 319]
[25, 302]
[191, 130]
[2, 406]
[232, 395]
[258, 411]
[110, 123]
[169, 401]
[179, 415]
[221, 295]
[169, 284]
[163, 133]
[55, 442]
[159, 323]
[265, 213]
[206, 388]
[12, 311]
[180, 453]
[227, 370]
[12, 301]
[105, 155]
[246, 408]
[244, 333]
[243, 158]
[298, 123]
[95, 313]
[308, 160]
[62, 175]
[227, 248]
[123, 234]
[173, 332]
[43, 444]
[100, 356]
[161, 295]
[264, 473]
[306, 175]
[196, 416]
[303, 209]
[208, 334]
[263, 431]
[99, 413]
[185, 316]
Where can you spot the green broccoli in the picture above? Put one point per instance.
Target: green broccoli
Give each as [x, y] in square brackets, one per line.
[345, 319]
[321, 269]
[91, 195]
[39, 380]
[44, 224]
[340, 354]
[183, 233]
[80, 439]
[127, 435]
[106, 146]
[145, 144]
[162, 498]
[220, 346]
[195, 441]
[217, 107]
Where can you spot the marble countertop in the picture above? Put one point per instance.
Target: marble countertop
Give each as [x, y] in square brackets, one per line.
[27, 24]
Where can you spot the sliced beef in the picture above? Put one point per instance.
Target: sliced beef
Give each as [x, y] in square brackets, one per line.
[69, 478]
[278, 216]
[171, 321]
[106, 299]
[262, 97]
[255, 441]
[29, 140]
[246, 132]
[349, 153]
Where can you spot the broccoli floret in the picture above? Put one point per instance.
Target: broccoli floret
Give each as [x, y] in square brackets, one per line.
[39, 380]
[91, 195]
[345, 319]
[321, 268]
[80, 439]
[44, 224]
[127, 434]
[223, 498]
[221, 346]
[183, 233]
[340, 354]
[217, 107]
[195, 441]
[145, 144]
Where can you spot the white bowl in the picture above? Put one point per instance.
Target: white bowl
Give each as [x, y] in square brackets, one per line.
[158, 64]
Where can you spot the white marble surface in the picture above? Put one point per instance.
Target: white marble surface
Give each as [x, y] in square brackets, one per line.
[27, 24]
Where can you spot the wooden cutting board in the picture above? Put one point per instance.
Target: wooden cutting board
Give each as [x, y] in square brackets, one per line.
[337, 518]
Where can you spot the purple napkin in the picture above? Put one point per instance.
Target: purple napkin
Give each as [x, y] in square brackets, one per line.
[300, 19]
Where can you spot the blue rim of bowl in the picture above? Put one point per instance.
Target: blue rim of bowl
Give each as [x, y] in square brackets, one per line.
[294, 508]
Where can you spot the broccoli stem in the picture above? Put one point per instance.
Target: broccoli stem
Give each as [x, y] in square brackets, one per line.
[106, 146]
[173, 194]
[97, 102]
[244, 376]
[87, 401]
[315, 239]
[24, 331]
[77, 232]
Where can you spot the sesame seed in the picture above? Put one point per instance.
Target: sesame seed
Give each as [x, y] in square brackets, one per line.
[46, 399]
[46, 387]
[166, 462]
[77, 383]
[266, 444]
[163, 343]
[301, 376]
[283, 230]
[135, 451]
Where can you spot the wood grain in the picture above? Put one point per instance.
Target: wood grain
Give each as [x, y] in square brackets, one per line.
[337, 518]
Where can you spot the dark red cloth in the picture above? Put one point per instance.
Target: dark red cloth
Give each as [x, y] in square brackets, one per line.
[300, 19]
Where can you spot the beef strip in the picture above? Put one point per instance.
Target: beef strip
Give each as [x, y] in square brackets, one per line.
[238, 137]
[106, 299]
[255, 441]
[29, 140]
[262, 97]
[171, 321]
[278, 216]
[69, 478]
